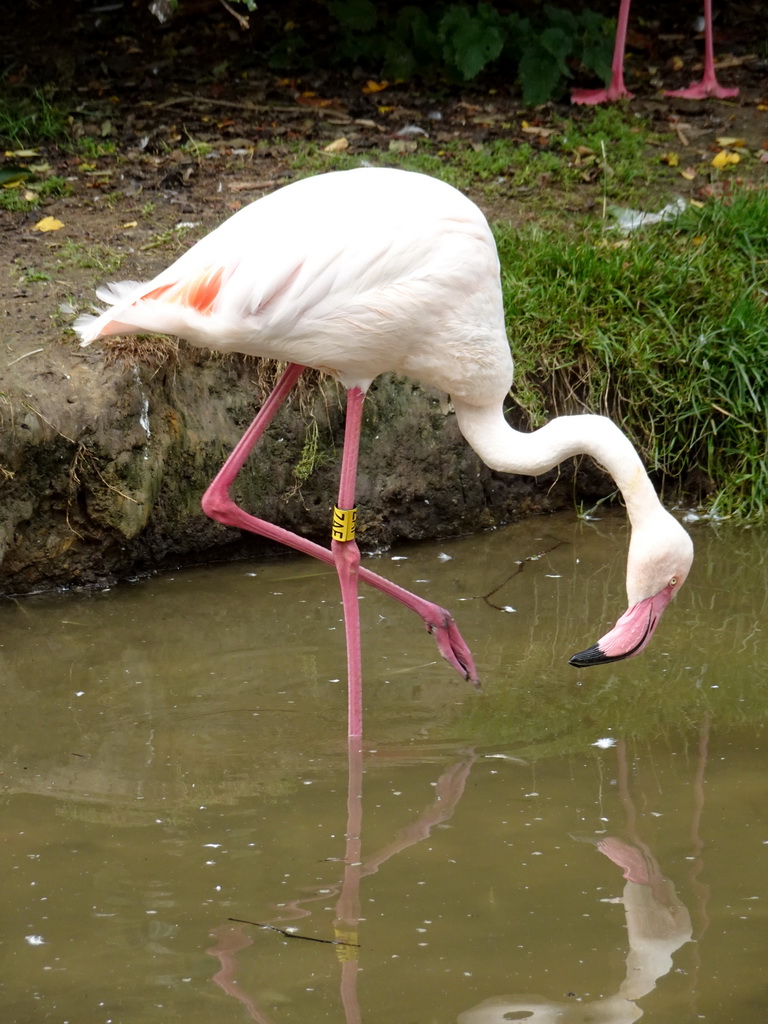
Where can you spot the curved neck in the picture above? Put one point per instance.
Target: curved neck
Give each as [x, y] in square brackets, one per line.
[510, 451]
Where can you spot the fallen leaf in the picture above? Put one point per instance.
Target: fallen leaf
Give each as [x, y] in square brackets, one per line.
[689, 173]
[697, 204]
[23, 153]
[681, 134]
[763, 156]
[337, 146]
[410, 129]
[726, 140]
[12, 176]
[670, 159]
[403, 145]
[372, 86]
[532, 129]
[130, 224]
[723, 158]
[311, 99]
[48, 224]
[677, 63]
[584, 161]
[252, 186]
[729, 61]
[698, 240]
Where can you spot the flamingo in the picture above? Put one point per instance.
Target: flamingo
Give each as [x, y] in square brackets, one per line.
[708, 86]
[370, 270]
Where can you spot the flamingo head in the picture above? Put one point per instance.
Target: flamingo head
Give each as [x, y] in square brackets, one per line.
[660, 557]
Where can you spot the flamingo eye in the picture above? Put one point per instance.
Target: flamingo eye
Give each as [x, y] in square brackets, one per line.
[673, 581]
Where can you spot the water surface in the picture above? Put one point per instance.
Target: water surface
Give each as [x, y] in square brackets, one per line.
[564, 846]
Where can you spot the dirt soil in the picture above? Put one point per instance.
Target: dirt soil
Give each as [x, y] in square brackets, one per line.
[104, 451]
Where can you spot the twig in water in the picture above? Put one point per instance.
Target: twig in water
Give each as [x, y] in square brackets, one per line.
[293, 935]
[520, 566]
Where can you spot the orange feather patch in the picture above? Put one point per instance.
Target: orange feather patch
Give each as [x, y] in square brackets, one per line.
[203, 292]
[199, 293]
[157, 292]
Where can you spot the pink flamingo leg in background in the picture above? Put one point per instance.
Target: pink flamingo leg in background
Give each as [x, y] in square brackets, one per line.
[218, 504]
[709, 85]
[615, 89]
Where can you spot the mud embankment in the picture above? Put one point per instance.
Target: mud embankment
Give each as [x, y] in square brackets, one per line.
[102, 465]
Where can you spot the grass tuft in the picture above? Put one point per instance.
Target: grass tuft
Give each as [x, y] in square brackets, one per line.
[611, 146]
[31, 119]
[636, 329]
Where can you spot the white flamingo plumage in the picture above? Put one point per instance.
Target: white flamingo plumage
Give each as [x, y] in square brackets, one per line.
[356, 273]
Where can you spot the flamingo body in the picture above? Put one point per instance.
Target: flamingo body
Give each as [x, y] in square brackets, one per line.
[340, 272]
[356, 273]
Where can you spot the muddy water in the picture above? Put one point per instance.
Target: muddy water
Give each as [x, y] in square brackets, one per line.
[566, 845]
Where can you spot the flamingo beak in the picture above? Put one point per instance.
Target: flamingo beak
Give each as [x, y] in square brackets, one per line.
[630, 635]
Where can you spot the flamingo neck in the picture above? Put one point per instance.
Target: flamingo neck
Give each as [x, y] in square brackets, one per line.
[511, 451]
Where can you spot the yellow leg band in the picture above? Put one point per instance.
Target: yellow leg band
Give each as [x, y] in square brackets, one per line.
[344, 523]
[348, 943]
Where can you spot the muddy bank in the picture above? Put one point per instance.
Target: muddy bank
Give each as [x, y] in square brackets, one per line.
[103, 465]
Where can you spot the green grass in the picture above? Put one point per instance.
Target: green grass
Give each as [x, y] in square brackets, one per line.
[28, 120]
[90, 256]
[48, 188]
[666, 332]
[622, 161]
[92, 148]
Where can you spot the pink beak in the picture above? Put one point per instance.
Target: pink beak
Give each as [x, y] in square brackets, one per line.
[630, 635]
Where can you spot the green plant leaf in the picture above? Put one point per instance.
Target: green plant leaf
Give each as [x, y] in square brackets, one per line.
[354, 15]
[559, 44]
[563, 19]
[471, 40]
[540, 75]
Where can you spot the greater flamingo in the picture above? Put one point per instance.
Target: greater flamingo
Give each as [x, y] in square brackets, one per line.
[363, 271]
[708, 86]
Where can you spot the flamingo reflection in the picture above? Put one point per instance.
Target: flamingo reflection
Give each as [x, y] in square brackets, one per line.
[233, 937]
[657, 922]
[657, 925]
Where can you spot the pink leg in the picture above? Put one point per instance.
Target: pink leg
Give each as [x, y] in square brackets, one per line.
[709, 85]
[347, 557]
[616, 89]
[219, 505]
[346, 925]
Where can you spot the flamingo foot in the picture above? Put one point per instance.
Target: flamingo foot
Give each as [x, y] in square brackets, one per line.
[591, 97]
[451, 644]
[707, 87]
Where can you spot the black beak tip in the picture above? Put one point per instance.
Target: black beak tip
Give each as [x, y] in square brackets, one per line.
[585, 659]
